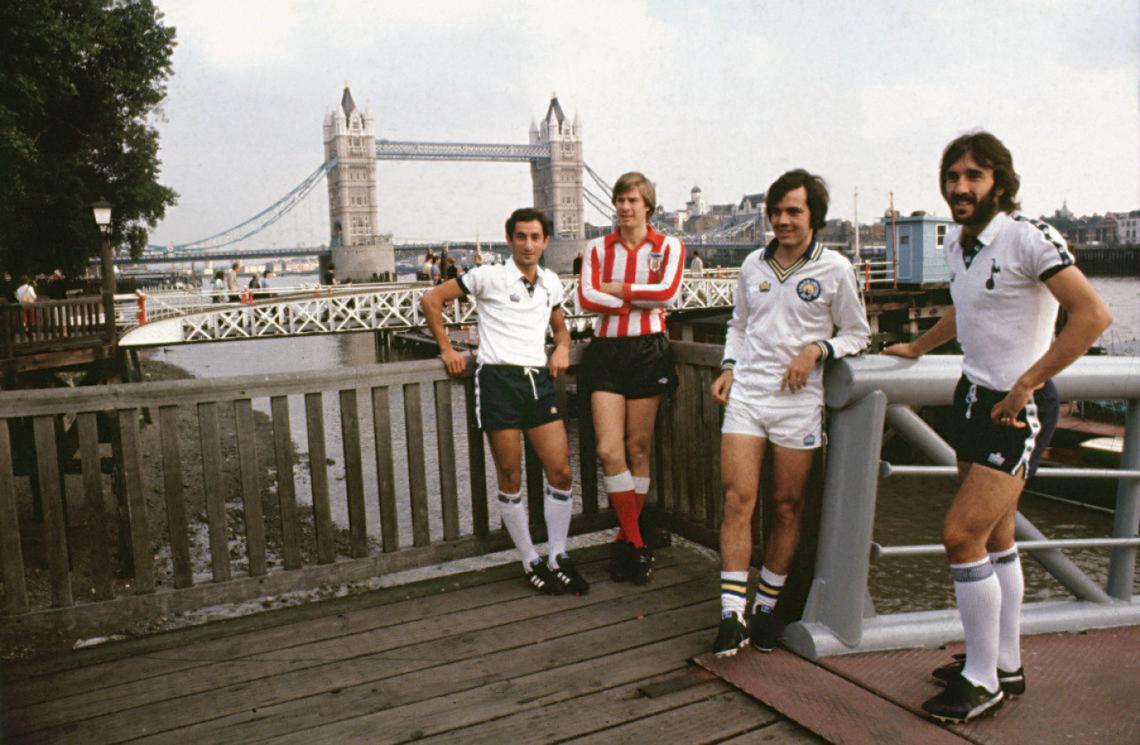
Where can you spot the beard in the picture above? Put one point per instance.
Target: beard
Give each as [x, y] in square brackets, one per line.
[985, 207]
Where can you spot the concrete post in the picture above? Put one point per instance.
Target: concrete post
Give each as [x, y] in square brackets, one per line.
[1126, 523]
[838, 592]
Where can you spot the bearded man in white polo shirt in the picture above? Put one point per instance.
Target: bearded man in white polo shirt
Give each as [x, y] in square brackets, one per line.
[514, 392]
[1007, 276]
[796, 305]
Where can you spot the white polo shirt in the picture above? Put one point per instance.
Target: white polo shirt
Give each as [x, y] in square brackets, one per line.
[1004, 312]
[513, 315]
[779, 311]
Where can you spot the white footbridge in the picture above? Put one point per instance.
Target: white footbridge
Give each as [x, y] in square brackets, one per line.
[164, 319]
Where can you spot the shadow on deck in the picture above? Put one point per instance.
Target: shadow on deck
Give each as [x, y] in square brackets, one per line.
[476, 657]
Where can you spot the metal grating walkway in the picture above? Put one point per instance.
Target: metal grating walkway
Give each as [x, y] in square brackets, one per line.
[1081, 688]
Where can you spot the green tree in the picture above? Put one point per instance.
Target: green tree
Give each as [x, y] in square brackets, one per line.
[80, 81]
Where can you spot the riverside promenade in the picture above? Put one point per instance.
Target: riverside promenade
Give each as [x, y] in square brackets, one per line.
[478, 657]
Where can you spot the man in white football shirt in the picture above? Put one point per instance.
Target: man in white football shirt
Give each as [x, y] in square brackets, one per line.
[1007, 276]
[516, 302]
[796, 305]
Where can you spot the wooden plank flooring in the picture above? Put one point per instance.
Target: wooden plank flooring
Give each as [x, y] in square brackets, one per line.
[472, 658]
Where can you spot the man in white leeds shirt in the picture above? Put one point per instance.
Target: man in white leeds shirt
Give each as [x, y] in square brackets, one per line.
[790, 299]
[516, 302]
[1007, 277]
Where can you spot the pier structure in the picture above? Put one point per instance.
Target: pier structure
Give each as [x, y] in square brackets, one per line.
[112, 555]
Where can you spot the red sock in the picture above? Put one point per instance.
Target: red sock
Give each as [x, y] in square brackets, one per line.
[625, 505]
[640, 506]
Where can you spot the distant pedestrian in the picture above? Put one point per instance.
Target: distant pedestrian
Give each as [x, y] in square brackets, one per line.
[478, 260]
[26, 297]
[231, 277]
[435, 271]
[56, 286]
[696, 266]
[453, 270]
[576, 266]
[219, 286]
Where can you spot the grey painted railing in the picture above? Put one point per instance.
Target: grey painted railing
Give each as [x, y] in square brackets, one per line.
[864, 394]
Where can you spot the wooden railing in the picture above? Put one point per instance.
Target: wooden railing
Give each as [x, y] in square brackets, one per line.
[55, 443]
[89, 496]
[48, 324]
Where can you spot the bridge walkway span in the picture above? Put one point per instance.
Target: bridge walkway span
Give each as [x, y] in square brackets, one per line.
[382, 308]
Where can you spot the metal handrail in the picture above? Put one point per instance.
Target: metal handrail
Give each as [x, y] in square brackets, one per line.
[879, 551]
[865, 394]
[887, 470]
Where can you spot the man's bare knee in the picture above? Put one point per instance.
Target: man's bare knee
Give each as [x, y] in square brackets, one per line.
[787, 509]
[961, 543]
[560, 477]
[637, 450]
[611, 454]
[738, 507]
[510, 479]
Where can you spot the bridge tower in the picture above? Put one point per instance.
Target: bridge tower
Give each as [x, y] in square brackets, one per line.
[558, 181]
[350, 137]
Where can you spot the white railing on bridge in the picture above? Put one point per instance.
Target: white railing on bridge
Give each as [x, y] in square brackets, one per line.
[332, 310]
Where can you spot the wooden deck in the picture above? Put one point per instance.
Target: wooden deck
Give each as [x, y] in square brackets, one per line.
[476, 657]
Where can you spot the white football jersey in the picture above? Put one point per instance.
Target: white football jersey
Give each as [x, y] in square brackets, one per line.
[1003, 311]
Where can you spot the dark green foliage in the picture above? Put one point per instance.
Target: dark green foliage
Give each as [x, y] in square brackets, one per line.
[80, 81]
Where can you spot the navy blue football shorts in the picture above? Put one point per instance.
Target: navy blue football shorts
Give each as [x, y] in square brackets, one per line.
[514, 397]
[632, 366]
[1012, 450]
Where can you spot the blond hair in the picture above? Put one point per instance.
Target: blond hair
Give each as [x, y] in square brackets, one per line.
[636, 180]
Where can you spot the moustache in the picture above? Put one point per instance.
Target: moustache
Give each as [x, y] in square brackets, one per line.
[965, 199]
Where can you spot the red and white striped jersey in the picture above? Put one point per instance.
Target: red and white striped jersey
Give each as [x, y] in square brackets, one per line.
[650, 275]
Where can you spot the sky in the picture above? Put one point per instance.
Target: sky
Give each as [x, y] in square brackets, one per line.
[721, 94]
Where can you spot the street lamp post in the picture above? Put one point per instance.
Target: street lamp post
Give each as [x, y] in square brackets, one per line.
[102, 212]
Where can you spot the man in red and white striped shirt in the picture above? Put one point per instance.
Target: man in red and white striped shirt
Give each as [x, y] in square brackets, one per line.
[628, 278]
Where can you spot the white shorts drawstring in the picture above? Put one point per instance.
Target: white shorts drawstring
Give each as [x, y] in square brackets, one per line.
[530, 372]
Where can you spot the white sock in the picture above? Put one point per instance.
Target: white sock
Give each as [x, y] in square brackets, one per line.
[1007, 567]
[979, 601]
[513, 510]
[768, 590]
[557, 507]
[641, 485]
[733, 593]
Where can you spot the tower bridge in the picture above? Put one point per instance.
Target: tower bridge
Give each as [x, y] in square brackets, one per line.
[554, 152]
[562, 184]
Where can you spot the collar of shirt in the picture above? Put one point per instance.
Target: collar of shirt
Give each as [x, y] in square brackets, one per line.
[813, 252]
[652, 237]
[516, 275]
[985, 238]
